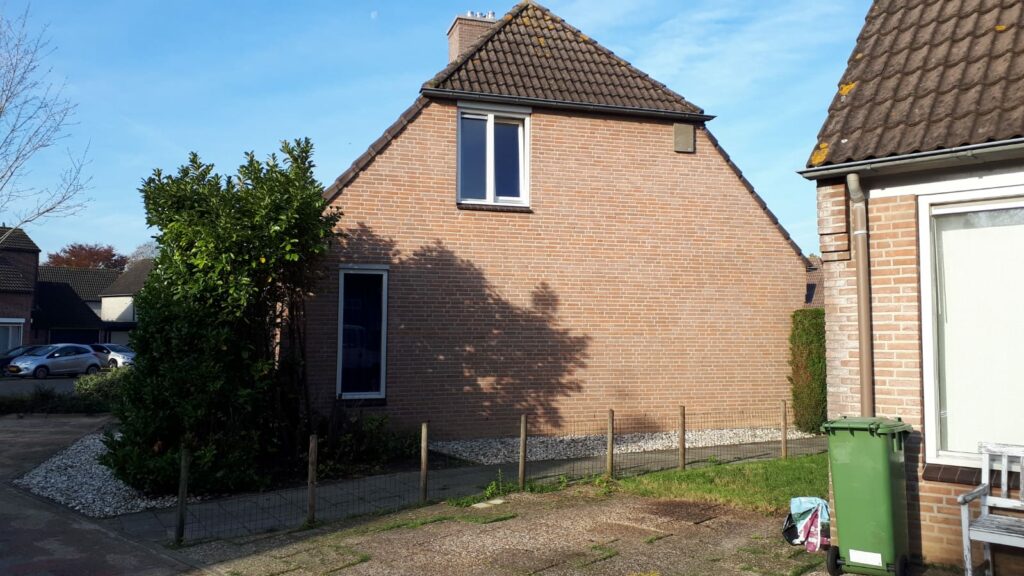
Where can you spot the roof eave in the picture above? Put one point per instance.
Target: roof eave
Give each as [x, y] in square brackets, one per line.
[689, 117]
[916, 161]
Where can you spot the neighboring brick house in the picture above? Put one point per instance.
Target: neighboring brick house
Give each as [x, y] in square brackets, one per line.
[68, 304]
[920, 180]
[548, 230]
[815, 297]
[19, 260]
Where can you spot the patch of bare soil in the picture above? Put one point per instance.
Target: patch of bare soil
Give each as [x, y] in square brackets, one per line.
[577, 531]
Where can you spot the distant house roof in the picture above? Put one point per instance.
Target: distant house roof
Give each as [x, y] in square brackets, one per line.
[815, 297]
[59, 306]
[131, 280]
[533, 56]
[11, 280]
[87, 283]
[18, 240]
[928, 75]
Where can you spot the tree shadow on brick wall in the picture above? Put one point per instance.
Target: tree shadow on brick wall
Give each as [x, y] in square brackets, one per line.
[473, 358]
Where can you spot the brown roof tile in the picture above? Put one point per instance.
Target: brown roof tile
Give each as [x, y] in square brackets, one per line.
[929, 75]
[531, 53]
[18, 240]
[131, 281]
[87, 283]
[11, 280]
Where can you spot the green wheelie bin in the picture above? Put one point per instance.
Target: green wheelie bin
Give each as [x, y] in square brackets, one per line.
[869, 485]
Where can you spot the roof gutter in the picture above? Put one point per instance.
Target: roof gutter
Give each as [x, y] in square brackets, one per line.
[562, 104]
[907, 161]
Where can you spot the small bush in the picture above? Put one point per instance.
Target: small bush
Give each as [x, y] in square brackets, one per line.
[104, 386]
[45, 401]
[363, 444]
[807, 360]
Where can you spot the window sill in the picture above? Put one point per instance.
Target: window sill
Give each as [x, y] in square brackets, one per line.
[494, 208]
[964, 476]
[361, 402]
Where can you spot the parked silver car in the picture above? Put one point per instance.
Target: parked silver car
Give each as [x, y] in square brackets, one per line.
[55, 359]
[113, 355]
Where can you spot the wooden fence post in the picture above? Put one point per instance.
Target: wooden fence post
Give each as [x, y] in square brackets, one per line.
[522, 452]
[179, 528]
[682, 437]
[311, 482]
[424, 443]
[609, 462]
[785, 431]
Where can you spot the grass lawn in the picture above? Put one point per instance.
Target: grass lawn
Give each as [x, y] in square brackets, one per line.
[764, 487]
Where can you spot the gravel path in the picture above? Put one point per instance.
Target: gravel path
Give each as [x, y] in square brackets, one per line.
[505, 450]
[77, 480]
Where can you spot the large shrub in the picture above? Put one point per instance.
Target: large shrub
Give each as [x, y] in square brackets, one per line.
[219, 317]
[807, 361]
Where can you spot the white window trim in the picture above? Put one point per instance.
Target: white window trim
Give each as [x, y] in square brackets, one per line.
[489, 112]
[373, 269]
[943, 202]
[12, 320]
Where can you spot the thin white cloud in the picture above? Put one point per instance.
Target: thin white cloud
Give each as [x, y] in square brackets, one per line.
[734, 50]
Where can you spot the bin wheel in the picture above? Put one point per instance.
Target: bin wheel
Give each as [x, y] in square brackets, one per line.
[832, 562]
[902, 566]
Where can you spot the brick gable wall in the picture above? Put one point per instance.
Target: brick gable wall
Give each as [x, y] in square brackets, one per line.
[642, 279]
[896, 316]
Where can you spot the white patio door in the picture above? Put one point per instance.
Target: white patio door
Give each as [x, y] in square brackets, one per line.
[979, 324]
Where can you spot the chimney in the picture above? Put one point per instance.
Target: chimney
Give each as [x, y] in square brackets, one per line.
[467, 29]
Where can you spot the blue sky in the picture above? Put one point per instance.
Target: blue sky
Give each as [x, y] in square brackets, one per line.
[154, 80]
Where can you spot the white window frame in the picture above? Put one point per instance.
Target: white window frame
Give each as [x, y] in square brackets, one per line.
[491, 112]
[369, 269]
[929, 205]
[18, 323]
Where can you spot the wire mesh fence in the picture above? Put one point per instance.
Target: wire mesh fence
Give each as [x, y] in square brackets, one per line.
[578, 450]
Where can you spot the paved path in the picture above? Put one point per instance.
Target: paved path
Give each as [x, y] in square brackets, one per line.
[23, 386]
[41, 538]
[286, 509]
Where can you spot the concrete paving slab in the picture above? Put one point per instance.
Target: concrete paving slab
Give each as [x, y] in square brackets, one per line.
[40, 537]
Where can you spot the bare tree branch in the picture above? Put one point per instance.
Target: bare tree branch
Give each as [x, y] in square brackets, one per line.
[34, 115]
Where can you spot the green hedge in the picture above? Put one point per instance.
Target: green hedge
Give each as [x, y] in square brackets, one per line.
[807, 361]
[44, 400]
[103, 386]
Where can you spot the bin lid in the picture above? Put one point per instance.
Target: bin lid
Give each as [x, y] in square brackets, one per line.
[866, 424]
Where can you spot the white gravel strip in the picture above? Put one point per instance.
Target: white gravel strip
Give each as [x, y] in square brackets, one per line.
[504, 450]
[76, 479]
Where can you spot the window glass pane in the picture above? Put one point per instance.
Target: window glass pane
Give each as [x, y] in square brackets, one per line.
[361, 354]
[506, 159]
[979, 327]
[473, 159]
[6, 342]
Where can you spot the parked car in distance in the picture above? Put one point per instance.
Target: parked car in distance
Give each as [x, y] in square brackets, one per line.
[13, 353]
[113, 355]
[55, 359]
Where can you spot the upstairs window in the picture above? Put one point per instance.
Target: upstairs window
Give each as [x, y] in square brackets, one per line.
[493, 156]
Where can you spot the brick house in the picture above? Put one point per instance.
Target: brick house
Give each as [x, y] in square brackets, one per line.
[19, 262]
[549, 230]
[68, 304]
[919, 170]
